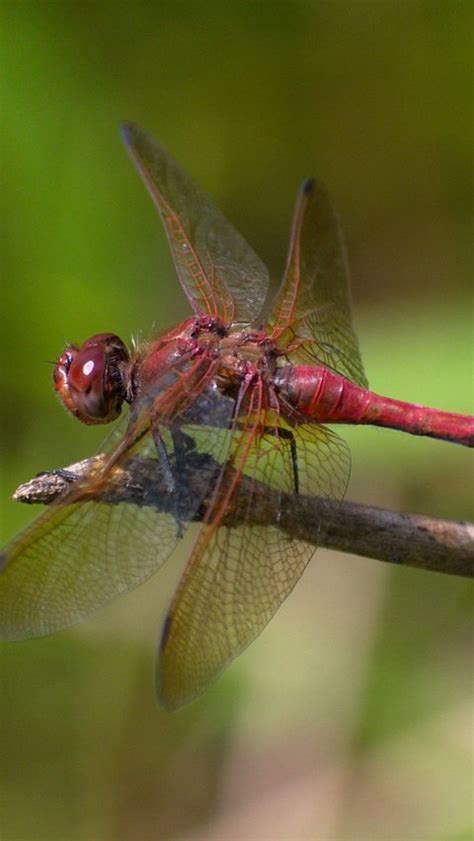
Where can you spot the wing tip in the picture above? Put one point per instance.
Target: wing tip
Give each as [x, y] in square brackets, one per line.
[308, 186]
[3, 561]
[165, 632]
[126, 129]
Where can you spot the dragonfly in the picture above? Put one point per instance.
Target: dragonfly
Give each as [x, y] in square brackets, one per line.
[247, 384]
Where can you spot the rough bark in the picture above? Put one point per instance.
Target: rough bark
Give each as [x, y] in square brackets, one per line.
[406, 539]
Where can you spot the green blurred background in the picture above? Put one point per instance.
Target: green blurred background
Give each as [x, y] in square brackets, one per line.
[349, 718]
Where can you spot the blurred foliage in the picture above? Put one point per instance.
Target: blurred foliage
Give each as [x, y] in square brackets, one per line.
[349, 718]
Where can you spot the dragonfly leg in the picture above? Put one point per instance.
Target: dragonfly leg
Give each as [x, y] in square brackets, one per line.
[163, 458]
[174, 473]
[287, 434]
[183, 444]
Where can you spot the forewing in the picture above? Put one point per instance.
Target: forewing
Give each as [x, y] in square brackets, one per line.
[219, 272]
[238, 575]
[313, 301]
[109, 533]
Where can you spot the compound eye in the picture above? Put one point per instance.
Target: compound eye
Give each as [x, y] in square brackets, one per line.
[86, 371]
[89, 379]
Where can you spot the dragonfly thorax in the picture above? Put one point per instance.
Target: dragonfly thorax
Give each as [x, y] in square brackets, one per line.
[243, 355]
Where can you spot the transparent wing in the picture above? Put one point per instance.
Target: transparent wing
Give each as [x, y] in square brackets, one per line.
[90, 546]
[219, 272]
[239, 575]
[313, 302]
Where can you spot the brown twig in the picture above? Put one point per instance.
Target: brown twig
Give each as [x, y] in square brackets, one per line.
[408, 539]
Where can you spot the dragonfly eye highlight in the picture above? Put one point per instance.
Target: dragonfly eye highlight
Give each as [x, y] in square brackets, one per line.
[90, 379]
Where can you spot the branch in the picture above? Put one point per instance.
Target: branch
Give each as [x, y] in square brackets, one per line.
[405, 539]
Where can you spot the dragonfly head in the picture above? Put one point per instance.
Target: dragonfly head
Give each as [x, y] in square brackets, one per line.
[91, 379]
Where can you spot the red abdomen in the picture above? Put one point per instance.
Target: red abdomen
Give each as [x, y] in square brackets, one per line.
[322, 395]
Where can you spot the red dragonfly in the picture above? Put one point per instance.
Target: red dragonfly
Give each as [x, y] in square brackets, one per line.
[247, 381]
